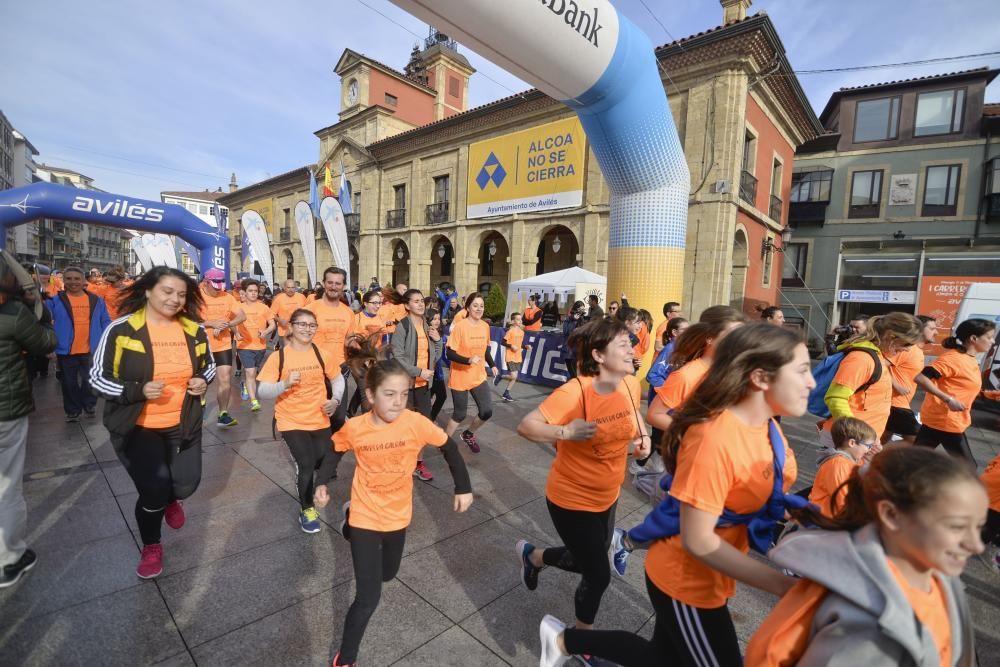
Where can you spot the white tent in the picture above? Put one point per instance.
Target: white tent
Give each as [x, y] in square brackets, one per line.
[559, 285]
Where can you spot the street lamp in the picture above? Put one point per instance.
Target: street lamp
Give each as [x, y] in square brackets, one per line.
[556, 244]
[399, 252]
[441, 250]
[767, 244]
[492, 248]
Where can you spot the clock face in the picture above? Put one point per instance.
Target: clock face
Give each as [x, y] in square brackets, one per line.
[352, 91]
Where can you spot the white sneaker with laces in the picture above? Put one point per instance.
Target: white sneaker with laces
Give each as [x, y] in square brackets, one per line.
[548, 632]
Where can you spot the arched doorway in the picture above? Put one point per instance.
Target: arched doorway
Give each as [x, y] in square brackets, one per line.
[289, 264]
[400, 263]
[741, 262]
[494, 263]
[442, 262]
[557, 250]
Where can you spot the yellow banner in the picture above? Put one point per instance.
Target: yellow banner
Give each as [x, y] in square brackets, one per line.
[538, 169]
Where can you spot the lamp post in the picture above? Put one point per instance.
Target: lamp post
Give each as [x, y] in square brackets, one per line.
[556, 244]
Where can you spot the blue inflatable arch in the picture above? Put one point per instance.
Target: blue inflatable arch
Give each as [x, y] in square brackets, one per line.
[61, 202]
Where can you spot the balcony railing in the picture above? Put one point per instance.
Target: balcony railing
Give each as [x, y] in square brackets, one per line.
[395, 218]
[800, 212]
[285, 234]
[353, 222]
[748, 187]
[437, 213]
[775, 210]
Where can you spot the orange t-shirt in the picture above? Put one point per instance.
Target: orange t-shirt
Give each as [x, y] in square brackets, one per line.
[873, 404]
[459, 316]
[723, 464]
[531, 311]
[960, 378]
[783, 637]
[283, 306]
[905, 367]
[81, 323]
[642, 346]
[311, 297]
[172, 366]
[515, 338]
[931, 609]
[220, 307]
[336, 323]
[831, 474]
[682, 382]
[587, 474]
[391, 312]
[658, 336]
[112, 301]
[258, 315]
[370, 326]
[469, 338]
[382, 490]
[991, 480]
[423, 355]
[301, 407]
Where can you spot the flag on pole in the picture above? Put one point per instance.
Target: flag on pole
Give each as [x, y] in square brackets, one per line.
[344, 195]
[221, 216]
[245, 250]
[327, 182]
[313, 194]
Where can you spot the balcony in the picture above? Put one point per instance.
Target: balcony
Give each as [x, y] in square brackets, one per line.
[437, 213]
[807, 212]
[775, 209]
[748, 187]
[285, 234]
[395, 219]
[353, 222]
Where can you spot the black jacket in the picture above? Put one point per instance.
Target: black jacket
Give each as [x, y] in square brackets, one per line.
[123, 364]
[20, 334]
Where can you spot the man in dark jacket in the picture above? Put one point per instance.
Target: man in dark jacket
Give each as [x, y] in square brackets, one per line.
[21, 335]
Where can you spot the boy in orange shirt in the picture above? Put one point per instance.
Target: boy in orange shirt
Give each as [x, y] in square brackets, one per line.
[855, 442]
[250, 338]
[513, 341]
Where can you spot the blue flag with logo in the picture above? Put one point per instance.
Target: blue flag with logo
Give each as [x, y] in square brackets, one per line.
[313, 194]
[344, 194]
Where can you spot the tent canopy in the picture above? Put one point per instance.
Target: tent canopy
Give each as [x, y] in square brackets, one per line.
[555, 285]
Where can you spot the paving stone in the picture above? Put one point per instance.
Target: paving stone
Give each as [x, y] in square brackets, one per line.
[68, 452]
[128, 627]
[454, 646]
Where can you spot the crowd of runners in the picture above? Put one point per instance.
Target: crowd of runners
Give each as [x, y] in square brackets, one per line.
[865, 562]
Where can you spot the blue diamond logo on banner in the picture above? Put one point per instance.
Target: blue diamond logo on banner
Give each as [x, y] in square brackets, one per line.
[492, 171]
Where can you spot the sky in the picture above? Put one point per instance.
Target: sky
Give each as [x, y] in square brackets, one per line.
[179, 95]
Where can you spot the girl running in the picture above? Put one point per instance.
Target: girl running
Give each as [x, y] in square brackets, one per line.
[385, 443]
[729, 459]
[952, 383]
[153, 367]
[593, 419]
[439, 388]
[468, 345]
[881, 586]
[308, 387]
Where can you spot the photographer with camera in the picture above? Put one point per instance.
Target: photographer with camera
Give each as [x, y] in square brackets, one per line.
[25, 330]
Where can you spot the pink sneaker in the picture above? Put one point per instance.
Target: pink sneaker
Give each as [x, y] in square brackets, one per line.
[422, 472]
[174, 515]
[150, 562]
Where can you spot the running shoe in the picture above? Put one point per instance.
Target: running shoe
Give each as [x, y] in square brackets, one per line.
[337, 663]
[507, 397]
[309, 520]
[244, 394]
[255, 405]
[150, 562]
[548, 632]
[498, 379]
[529, 573]
[345, 528]
[618, 552]
[422, 472]
[11, 574]
[469, 438]
[72, 418]
[90, 412]
[174, 515]
[226, 420]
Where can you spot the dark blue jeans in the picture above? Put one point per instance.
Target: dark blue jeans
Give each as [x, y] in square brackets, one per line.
[77, 396]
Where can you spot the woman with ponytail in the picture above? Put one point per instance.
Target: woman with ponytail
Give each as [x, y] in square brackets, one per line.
[952, 383]
[880, 586]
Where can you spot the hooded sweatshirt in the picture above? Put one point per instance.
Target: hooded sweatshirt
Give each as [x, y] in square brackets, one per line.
[864, 618]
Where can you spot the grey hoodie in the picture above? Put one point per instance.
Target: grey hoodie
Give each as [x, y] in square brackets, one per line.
[866, 619]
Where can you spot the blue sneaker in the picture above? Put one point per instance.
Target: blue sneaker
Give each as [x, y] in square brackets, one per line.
[498, 379]
[244, 394]
[529, 573]
[619, 552]
[309, 520]
[507, 398]
[226, 420]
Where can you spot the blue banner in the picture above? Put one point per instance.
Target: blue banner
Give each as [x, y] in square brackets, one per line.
[544, 364]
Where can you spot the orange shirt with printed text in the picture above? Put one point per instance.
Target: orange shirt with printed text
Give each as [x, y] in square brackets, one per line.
[905, 367]
[258, 315]
[283, 306]
[587, 474]
[336, 323]
[681, 383]
[172, 366]
[961, 379]
[469, 338]
[382, 489]
[930, 608]
[991, 480]
[872, 405]
[81, 323]
[220, 307]
[722, 464]
[515, 338]
[831, 474]
[301, 407]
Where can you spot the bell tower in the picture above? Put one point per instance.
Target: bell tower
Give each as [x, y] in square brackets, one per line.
[441, 67]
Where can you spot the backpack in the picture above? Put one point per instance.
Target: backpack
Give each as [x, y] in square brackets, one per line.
[281, 369]
[826, 371]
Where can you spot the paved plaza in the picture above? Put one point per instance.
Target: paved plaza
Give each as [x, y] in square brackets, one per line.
[242, 584]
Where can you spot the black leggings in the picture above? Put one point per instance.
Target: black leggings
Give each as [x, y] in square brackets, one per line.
[481, 394]
[683, 636]
[420, 400]
[991, 531]
[312, 452]
[586, 538]
[376, 557]
[954, 443]
[162, 473]
[440, 391]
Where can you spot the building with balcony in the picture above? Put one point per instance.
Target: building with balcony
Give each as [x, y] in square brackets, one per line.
[895, 206]
[200, 204]
[25, 237]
